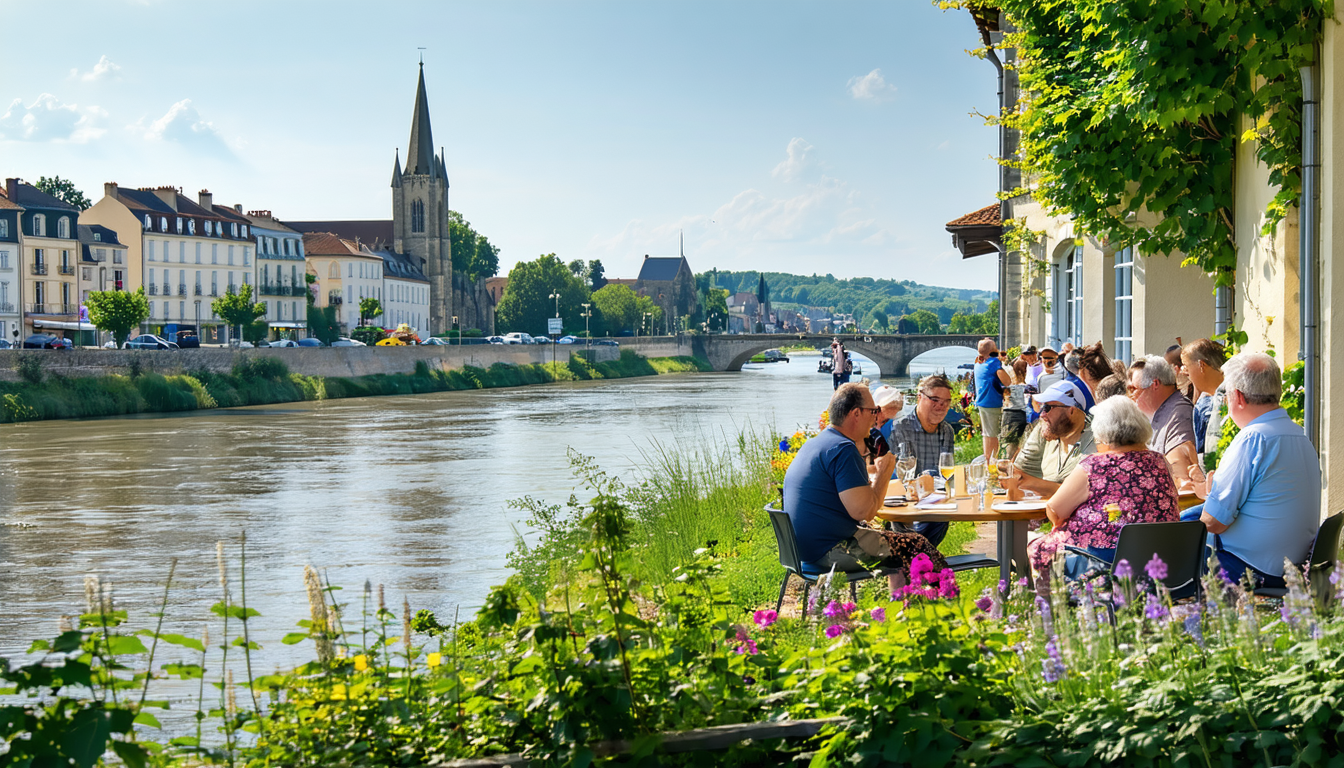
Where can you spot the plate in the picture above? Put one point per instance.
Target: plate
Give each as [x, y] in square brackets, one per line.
[892, 501]
[948, 507]
[1026, 505]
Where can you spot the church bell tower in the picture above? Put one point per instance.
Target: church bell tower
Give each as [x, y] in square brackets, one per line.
[420, 212]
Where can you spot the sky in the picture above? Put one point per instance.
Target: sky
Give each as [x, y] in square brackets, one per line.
[802, 137]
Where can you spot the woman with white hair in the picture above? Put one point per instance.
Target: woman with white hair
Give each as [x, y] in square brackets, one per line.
[1124, 482]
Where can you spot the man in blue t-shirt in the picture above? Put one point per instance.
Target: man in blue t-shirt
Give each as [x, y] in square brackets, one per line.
[990, 379]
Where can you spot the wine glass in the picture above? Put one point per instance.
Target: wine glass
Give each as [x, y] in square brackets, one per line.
[1005, 466]
[905, 463]
[947, 466]
[976, 478]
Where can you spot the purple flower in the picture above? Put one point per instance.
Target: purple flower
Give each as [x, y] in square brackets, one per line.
[984, 603]
[1156, 569]
[1123, 570]
[744, 642]
[764, 619]
[1155, 610]
[1003, 586]
[834, 611]
[947, 584]
[1022, 582]
[878, 614]
[835, 630]
[1052, 666]
[920, 567]
[849, 608]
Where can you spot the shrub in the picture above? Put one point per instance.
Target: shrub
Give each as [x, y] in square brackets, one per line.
[29, 367]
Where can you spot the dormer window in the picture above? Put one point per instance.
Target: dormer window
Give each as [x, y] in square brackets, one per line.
[39, 225]
[63, 228]
[148, 223]
[244, 230]
[163, 223]
[98, 236]
[191, 226]
[179, 225]
[207, 228]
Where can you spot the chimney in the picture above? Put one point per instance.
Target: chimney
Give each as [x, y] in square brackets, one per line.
[110, 190]
[238, 207]
[168, 195]
[207, 200]
[12, 189]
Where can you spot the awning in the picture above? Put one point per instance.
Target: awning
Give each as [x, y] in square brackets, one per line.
[288, 325]
[977, 233]
[63, 326]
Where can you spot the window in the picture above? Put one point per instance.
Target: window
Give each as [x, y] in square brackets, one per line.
[1068, 298]
[181, 310]
[39, 225]
[214, 283]
[182, 252]
[191, 227]
[418, 216]
[247, 255]
[118, 256]
[234, 228]
[151, 309]
[206, 225]
[265, 274]
[198, 253]
[335, 271]
[98, 236]
[230, 255]
[117, 277]
[163, 225]
[148, 224]
[4, 259]
[4, 227]
[63, 228]
[1124, 304]
[350, 269]
[214, 253]
[149, 244]
[179, 225]
[65, 260]
[65, 295]
[244, 230]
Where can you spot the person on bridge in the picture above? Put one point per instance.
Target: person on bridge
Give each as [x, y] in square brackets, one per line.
[827, 494]
[990, 380]
[927, 434]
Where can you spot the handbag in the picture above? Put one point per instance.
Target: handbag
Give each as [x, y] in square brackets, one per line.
[872, 542]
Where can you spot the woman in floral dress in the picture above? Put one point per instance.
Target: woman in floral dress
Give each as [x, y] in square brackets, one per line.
[1122, 483]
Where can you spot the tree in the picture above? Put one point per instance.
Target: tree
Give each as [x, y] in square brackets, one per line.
[526, 302]
[473, 255]
[578, 268]
[617, 306]
[714, 305]
[920, 321]
[369, 308]
[63, 190]
[596, 275]
[322, 324]
[237, 308]
[653, 323]
[118, 312]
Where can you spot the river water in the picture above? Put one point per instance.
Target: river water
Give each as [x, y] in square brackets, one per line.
[410, 492]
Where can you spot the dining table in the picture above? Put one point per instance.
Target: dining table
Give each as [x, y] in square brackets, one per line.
[1013, 519]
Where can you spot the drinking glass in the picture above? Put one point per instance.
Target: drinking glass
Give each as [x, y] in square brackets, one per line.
[947, 466]
[905, 463]
[975, 479]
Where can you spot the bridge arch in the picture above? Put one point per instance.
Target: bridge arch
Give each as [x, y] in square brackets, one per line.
[892, 353]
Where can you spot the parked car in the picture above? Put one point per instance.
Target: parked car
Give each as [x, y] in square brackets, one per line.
[436, 341]
[606, 343]
[569, 340]
[345, 341]
[495, 340]
[188, 340]
[150, 341]
[5, 344]
[43, 341]
[311, 341]
[284, 343]
[517, 338]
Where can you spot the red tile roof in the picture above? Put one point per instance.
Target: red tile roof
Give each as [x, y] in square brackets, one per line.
[985, 217]
[7, 204]
[327, 244]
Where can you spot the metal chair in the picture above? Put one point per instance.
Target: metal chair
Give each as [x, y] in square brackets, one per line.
[1324, 553]
[793, 564]
[1180, 545]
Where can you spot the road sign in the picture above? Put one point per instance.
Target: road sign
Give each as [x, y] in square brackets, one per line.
[554, 325]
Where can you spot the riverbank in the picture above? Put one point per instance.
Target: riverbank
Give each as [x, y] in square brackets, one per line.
[40, 395]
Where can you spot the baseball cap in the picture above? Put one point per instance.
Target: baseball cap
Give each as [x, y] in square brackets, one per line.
[1065, 392]
[885, 395]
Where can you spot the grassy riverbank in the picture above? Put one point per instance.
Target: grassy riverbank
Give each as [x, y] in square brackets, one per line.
[267, 380]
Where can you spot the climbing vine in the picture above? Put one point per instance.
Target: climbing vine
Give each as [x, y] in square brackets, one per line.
[1131, 111]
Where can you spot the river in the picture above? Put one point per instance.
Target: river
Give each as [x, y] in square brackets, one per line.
[410, 492]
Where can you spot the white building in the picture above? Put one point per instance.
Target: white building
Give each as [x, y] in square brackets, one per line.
[281, 273]
[405, 292]
[344, 272]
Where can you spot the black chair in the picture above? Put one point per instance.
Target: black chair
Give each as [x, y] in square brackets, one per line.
[1324, 553]
[793, 564]
[1180, 545]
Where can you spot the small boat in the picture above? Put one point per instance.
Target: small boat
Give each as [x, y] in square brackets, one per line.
[825, 365]
[858, 369]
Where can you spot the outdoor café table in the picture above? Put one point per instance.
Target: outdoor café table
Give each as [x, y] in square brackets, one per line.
[1187, 499]
[1012, 517]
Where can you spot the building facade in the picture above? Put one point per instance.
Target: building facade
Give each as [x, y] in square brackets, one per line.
[406, 292]
[281, 274]
[344, 272]
[11, 279]
[49, 254]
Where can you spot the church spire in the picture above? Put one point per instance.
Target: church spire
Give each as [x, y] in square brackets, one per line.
[396, 170]
[420, 152]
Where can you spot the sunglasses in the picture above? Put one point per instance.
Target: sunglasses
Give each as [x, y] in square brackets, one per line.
[1048, 407]
[1049, 359]
[873, 411]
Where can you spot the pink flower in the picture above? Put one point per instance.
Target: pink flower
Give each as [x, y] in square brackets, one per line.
[920, 566]
[834, 611]
[849, 608]
[878, 614]
[835, 630]
[947, 584]
[764, 619]
[985, 603]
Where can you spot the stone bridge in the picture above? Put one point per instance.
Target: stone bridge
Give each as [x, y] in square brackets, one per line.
[728, 352]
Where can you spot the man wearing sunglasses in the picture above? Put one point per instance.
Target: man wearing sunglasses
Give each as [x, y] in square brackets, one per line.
[1052, 450]
[927, 433]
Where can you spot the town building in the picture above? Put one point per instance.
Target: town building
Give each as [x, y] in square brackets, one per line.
[344, 272]
[419, 229]
[11, 280]
[281, 274]
[185, 253]
[670, 283]
[49, 252]
[406, 292]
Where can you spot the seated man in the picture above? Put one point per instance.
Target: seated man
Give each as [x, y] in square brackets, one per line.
[1053, 449]
[1153, 386]
[1263, 503]
[827, 493]
[926, 433]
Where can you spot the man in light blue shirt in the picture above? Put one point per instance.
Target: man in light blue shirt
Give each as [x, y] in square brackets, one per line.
[1263, 503]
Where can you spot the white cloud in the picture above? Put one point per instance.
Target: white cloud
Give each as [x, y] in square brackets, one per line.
[792, 166]
[183, 124]
[105, 68]
[47, 119]
[871, 87]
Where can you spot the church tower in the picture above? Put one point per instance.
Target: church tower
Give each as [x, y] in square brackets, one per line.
[420, 212]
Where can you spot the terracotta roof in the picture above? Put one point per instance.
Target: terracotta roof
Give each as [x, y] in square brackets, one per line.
[373, 233]
[7, 204]
[987, 216]
[327, 244]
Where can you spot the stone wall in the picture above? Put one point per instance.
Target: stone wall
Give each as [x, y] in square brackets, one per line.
[472, 304]
[312, 361]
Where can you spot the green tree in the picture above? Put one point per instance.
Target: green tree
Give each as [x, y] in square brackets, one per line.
[322, 323]
[369, 308]
[920, 321]
[118, 312]
[473, 255]
[617, 306]
[714, 307]
[649, 316]
[596, 275]
[63, 190]
[526, 302]
[578, 268]
[237, 308]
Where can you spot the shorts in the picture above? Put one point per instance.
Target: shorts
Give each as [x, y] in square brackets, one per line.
[989, 420]
[1013, 426]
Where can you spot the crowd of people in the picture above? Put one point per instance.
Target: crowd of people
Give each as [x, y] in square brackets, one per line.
[1106, 444]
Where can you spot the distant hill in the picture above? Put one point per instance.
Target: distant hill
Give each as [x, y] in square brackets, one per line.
[865, 297]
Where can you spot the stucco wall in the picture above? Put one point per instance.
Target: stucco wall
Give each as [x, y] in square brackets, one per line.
[312, 361]
[1331, 351]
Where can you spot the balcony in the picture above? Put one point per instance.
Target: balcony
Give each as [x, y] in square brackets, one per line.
[335, 301]
[152, 289]
[52, 309]
[214, 290]
[67, 269]
[267, 289]
[6, 309]
[39, 268]
[198, 289]
[181, 289]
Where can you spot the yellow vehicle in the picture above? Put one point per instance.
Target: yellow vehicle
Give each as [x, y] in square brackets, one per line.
[391, 342]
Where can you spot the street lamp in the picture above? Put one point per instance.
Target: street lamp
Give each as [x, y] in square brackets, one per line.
[198, 320]
[459, 332]
[556, 296]
[587, 313]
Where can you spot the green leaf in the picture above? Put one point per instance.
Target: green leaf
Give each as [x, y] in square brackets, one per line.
[182, 640]
[252, 645]
[85, 740]
[294, 637]
[145, 718]
[133, 755]
[119, 645]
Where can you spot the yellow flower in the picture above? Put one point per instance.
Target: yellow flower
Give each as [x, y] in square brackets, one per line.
[434, 659]
[361, 663]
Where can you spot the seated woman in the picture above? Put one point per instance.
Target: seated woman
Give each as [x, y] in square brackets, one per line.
[1124, 475]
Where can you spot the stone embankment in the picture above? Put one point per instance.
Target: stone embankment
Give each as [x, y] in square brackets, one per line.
[310, 361]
